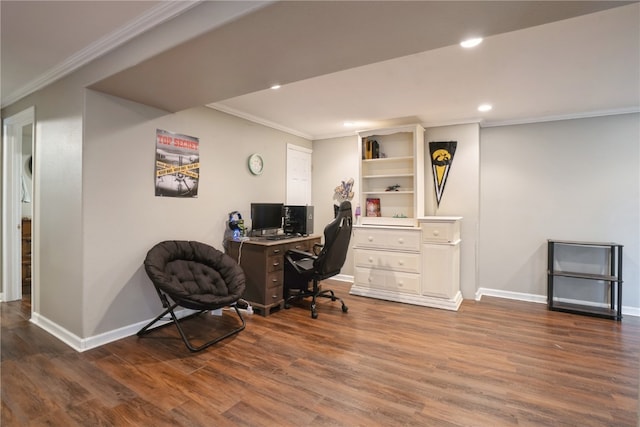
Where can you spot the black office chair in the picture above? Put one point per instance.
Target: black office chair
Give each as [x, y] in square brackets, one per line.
[300, 267]
[196, 276]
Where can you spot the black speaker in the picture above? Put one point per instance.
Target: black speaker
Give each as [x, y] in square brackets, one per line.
[298, 220]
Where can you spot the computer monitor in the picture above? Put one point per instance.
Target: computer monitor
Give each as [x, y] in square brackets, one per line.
[266, 217]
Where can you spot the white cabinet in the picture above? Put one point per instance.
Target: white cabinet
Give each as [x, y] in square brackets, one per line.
[441, 259]
[392, 175]
[416, 265]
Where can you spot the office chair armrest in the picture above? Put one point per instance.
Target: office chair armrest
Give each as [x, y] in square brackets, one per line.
[296, 254]
[317, 248]
[295, 259]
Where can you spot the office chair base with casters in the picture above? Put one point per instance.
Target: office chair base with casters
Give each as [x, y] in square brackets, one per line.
[314, 293]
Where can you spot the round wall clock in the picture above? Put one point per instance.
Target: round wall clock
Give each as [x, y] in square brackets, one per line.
[256, 164]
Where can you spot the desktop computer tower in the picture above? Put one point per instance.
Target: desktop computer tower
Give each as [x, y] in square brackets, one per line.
[298, 220]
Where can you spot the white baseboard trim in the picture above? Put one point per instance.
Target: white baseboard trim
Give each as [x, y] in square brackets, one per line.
[520, 296]
[343, 278]
[84, 344]
[542, 299]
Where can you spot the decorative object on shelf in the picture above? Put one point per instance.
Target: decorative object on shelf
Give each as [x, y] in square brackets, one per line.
[394, 187]
[373, 207]
[177, 164]
[441, 159]
[256, 164]
[399, 215]
[343, 192]
[371, 149]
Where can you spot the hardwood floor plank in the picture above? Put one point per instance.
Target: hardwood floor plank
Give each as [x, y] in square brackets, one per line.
[494, 362]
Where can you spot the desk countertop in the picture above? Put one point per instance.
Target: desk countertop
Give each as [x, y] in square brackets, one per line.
[266, 242]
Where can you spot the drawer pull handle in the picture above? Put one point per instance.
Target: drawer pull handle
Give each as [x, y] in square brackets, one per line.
[274, 280]
[436, 232]
[370, 259]
[275, 264]
[401, 241]
[370, 238]
[400, 284]
[276, 251]
[401, 262]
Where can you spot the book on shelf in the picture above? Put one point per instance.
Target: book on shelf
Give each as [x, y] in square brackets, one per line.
[373, 207]
[370, 149]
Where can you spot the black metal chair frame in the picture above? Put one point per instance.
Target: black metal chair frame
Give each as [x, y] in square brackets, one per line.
[169, 309]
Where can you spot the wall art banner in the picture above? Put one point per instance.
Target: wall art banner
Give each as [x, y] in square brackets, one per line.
[441, 159]
[177, 164]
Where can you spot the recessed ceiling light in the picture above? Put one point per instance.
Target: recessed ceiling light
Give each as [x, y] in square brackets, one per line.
[485, 107]
[274, 87]
[471, 42]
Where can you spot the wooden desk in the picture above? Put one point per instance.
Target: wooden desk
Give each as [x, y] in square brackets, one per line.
[263, 264]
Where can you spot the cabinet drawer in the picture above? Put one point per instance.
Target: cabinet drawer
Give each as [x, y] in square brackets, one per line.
[397, 261]
[407, 283]
[408, 240]
[370, 278]
[445, 232]
[404, 283]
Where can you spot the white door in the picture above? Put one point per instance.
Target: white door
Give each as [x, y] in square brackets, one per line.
[298, 175]
[12, 131]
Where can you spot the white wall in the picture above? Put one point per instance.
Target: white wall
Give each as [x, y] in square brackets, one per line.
[334, 160]
[58, 257]
[461, 194]
[122, 216]
[573, 180]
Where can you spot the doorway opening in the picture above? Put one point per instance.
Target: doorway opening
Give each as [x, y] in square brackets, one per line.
[17, 207]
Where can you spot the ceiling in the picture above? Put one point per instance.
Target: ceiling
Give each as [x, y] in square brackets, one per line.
[376, 63]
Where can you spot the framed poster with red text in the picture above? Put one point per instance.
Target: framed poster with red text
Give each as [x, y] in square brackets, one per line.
[177, 164]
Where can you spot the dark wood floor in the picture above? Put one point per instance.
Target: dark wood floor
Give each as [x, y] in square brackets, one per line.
[493, 363]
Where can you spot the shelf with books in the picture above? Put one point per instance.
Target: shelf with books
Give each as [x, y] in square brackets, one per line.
[390, 171]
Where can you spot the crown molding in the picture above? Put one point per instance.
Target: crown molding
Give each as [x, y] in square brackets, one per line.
[163, 12]
[585, 115]
[258, 120]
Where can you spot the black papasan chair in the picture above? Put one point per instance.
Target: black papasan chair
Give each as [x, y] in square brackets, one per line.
[196, 276]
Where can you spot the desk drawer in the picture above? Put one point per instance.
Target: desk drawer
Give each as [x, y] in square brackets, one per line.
[276, 250]
[274, 263]
[273, 295]
[397, 261]
[275, 278]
